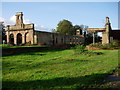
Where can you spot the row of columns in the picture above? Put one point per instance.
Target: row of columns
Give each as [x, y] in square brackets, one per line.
[15, 37]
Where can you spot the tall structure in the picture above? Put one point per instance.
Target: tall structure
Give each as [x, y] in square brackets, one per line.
[21, 33]
[107, 32]
[19, 18]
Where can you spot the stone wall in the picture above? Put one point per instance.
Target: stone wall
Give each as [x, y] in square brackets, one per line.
[55, 38]
[115, 35]
[106, 33]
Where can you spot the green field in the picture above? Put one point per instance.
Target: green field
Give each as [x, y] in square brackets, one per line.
[57, 69]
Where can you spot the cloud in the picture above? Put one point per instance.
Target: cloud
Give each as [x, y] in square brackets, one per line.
[42, 28]
[26, 21]
[1, 19]
[9, 21]
[12, 21]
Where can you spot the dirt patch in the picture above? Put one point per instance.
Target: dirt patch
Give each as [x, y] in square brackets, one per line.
[71, 60]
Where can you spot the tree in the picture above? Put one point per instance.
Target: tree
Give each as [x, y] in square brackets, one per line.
[2, 31]
[53, 30]
[77, 27]
[65, 27]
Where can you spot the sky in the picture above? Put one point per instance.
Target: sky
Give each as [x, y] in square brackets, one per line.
[46, 15]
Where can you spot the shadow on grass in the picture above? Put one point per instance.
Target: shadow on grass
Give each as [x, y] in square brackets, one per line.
[36, 54]
[27, 50]
[88, 81]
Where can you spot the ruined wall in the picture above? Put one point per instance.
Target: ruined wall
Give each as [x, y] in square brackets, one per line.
[105, 38]
[56, 39]
[21, 33]
[115, 35]
[106, 33]
[110, 35]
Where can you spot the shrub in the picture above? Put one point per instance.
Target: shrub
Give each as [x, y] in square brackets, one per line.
[111, 45]
[79, 48]
[115, 43]
[7, 45]
[99, 44]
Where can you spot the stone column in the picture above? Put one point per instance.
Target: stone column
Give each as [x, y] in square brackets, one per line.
[35, 39]
[32, 36]
[23, 39]
[15, 39]
[107, 34]
[7, 33]
[93, 38]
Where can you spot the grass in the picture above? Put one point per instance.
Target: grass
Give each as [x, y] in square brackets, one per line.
[57, 69]
[5, 46]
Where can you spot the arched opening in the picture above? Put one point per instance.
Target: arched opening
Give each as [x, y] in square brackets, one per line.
[11, 39]
[27, 38]
[19, 39]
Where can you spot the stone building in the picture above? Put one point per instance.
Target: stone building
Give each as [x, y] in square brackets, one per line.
[21, 33]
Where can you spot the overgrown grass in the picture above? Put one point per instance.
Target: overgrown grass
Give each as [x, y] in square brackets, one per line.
[57, 69]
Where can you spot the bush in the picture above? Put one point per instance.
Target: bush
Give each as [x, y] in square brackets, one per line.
[99, 44]
[115, 43]
[6, 45]
[79, 48]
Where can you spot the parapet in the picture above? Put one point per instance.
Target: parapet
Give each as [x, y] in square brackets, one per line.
[20, 27]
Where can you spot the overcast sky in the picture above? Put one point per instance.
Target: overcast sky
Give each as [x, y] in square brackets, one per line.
[46, 15]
